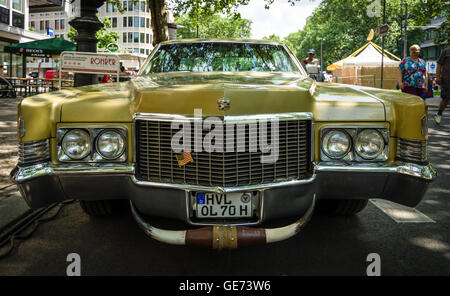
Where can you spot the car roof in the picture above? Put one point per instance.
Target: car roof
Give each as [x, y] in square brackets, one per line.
[235, 40]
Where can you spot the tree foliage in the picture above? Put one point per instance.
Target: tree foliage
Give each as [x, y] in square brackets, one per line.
[424, 11]
[196, 10]
[343, 27]
[214, 26]
[103, 35]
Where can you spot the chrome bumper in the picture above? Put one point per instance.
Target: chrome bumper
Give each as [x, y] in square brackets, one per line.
[404, 183]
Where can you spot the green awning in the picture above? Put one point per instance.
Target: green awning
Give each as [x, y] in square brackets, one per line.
[42, 48]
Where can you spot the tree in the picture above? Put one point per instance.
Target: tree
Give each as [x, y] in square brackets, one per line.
[272, 37]
[195, 9]
[424, 11]
[103, 35]
[214, 26]
[343, 26]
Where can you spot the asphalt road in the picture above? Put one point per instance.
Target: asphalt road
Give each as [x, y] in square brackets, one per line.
[327, 245]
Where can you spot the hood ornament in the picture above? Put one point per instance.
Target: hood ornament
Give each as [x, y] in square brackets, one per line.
[224, 104]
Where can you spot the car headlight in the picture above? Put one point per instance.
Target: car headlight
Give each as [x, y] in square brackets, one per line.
[369, 144]
[336, 144]
[76, 144]
[110, 144]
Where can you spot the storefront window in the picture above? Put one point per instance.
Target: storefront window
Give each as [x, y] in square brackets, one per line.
[3, 2]
[16, 67]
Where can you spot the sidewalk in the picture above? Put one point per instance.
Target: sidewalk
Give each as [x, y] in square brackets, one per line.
[433, 102]
[12, 205]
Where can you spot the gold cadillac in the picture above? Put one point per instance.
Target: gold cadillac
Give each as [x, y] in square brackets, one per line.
[230, 104]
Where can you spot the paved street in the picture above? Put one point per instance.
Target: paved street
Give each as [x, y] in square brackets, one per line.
[327, 246]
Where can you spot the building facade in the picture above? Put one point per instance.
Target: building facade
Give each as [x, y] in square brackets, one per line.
[134, 25]
[14, 29]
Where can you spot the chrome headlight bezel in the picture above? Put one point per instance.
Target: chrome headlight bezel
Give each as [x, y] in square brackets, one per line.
[353, 131]
[358, 143]
[122, 149]
[87, 143]
[94, 156]
[326, 138]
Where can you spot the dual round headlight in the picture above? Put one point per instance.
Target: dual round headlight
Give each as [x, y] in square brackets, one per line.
[110, 144]
[368, 144]
[76, 144]
[336, 144]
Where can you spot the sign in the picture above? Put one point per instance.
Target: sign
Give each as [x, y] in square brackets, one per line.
[89, 63]
[112, 47]
[431, 67]
[33, 52]
[382, 30]
[50, 31]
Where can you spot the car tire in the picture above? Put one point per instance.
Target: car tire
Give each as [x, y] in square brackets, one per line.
[342, 207]
[104, 208]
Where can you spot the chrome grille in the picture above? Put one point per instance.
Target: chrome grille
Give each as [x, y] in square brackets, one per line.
[412, 150]
[33, 152]
[156, 162]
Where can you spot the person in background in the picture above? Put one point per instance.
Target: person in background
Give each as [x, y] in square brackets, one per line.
[443, 79]
[311, 64]
[122, 68]
[413, 76]
[106, 79]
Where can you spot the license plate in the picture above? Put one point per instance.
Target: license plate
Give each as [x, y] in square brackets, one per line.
[231, 205]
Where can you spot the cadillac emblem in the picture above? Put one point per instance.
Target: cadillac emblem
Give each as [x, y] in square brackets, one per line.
[224, 104]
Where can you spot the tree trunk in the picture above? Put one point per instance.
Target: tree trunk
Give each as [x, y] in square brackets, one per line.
[158, 10]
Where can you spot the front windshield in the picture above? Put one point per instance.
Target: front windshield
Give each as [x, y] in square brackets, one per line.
[220, 57]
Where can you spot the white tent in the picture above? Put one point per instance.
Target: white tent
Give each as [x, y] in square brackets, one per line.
[363, 67]
[367, 56]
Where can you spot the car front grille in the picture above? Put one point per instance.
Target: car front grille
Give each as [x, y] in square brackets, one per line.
[33, 152]
[412, 150]
[156, 161]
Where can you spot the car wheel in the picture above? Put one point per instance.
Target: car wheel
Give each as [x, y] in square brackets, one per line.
[102, 208]
[343, 207]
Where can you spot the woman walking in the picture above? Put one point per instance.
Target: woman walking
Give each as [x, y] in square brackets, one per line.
[413, 76]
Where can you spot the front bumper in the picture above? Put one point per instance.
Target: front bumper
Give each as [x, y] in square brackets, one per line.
[400, 182]
[404, 183]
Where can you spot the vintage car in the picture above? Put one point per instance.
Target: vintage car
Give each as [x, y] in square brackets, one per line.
[229, 137]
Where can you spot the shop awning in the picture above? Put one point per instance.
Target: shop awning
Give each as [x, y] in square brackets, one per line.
[42, 48]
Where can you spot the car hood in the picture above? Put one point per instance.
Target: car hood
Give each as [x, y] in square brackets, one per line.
[249, 93]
